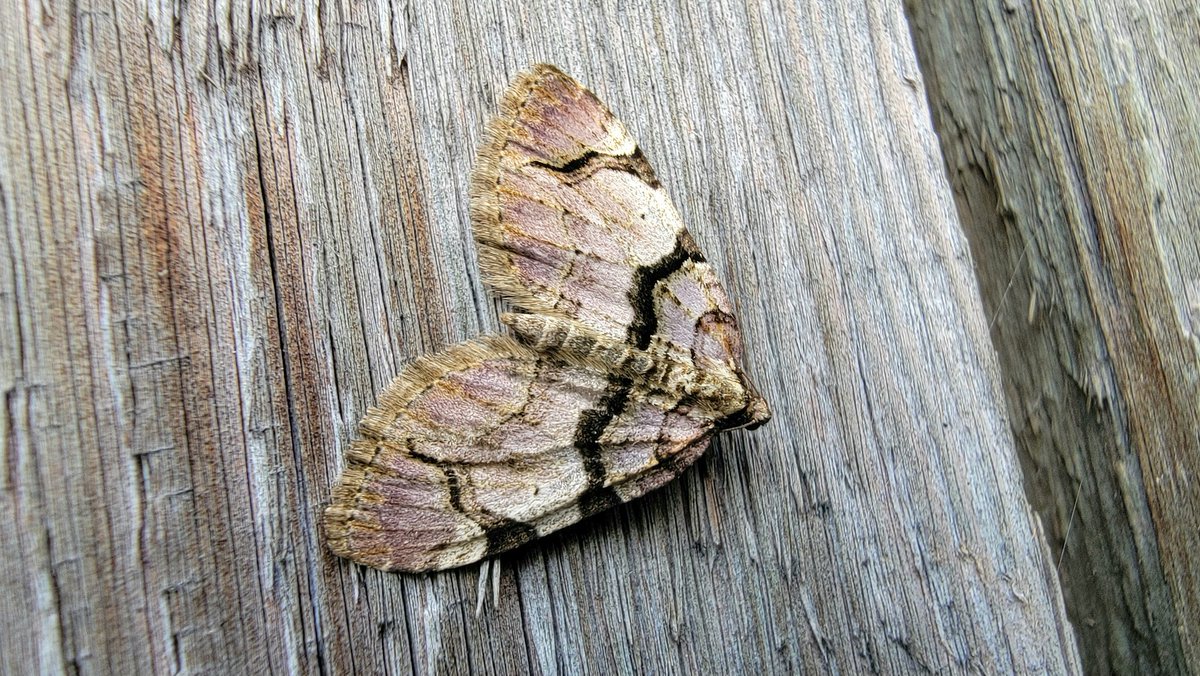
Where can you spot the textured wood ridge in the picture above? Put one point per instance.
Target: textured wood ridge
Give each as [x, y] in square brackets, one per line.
[1072, 140]
[226, 230]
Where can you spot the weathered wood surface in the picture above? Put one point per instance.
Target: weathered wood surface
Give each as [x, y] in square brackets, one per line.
[225, 230]
[1072, 138]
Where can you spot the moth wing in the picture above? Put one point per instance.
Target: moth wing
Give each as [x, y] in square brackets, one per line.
[486, 446]
[570, 221]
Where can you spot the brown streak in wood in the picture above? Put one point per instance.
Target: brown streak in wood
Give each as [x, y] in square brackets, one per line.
[176, 416]
[1065, 125]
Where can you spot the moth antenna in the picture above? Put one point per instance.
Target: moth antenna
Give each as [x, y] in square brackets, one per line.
[1070, 522]
[1012, 279]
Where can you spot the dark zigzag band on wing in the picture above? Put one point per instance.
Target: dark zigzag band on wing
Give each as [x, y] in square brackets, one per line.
[501, 532]
[645, 279]
[593, 422]
[592, 161]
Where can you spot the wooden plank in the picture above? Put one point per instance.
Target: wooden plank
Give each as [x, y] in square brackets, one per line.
[1071, 134]
[225, 230]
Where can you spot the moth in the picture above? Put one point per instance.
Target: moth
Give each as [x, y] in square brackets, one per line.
[625, 357]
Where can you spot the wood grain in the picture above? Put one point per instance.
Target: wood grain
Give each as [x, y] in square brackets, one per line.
[225, 230]
[1071, 138]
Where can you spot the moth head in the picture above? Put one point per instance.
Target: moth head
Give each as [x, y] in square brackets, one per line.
[723, 389]
[757, 412]
[737, 404]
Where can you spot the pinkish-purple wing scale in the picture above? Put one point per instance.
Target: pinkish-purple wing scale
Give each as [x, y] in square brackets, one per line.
[693, 311]
[486, 446]
[571, 221]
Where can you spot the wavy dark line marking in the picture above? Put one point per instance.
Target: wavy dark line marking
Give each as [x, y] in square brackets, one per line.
[641, 294]
[572, 166]
[591, 161]
[502, 533]
[454, 488]
[714, 316]
[592, 423]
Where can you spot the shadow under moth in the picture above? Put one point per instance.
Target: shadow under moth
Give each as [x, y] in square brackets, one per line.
[625, 359]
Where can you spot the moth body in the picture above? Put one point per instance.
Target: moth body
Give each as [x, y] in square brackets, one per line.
[713, 387]
[627, 356]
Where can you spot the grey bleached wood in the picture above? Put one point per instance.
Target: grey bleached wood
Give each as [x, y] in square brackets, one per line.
[226, 229]
[1072, 138]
